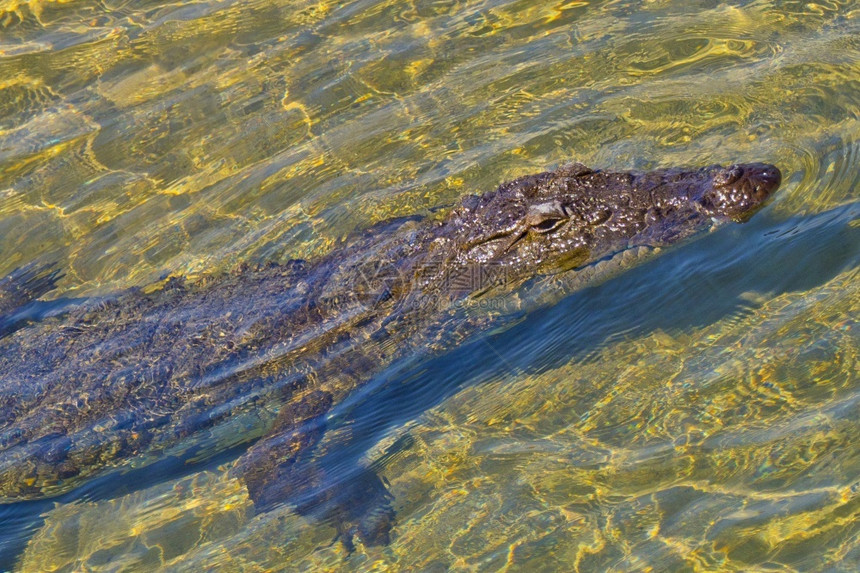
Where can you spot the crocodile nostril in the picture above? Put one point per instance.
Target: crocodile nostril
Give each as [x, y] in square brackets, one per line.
[728, 176]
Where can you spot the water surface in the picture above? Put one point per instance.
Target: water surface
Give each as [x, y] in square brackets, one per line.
[696, 413]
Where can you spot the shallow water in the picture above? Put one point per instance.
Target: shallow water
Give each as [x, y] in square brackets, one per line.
[697, 412]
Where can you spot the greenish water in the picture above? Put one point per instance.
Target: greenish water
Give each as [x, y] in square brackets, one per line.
[697, 413]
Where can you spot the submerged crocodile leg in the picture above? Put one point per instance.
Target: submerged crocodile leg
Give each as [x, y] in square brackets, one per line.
[279, 467]
[282, 467]
[361, 506]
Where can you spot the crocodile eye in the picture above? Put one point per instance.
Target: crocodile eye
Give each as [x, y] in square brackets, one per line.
[548, 225]
[546, 217]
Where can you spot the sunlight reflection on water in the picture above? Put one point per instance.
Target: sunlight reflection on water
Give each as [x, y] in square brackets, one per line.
[696, 413]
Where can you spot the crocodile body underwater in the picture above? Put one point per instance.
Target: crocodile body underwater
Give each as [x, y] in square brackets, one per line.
[268, 351]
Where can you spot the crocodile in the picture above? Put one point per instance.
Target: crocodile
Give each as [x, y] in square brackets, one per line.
[266, 352]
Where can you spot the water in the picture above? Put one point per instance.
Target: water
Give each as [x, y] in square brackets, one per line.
[694, 413]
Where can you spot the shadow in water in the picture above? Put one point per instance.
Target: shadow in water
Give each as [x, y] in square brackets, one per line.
[708, 276]
[18, 521]
[688, 287]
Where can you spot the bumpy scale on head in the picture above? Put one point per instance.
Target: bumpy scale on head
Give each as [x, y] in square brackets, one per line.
[738, 191]
[566, 218]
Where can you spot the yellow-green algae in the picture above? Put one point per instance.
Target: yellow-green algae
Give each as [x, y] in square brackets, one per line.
[139, 139]
[729, 447]
[143, 141]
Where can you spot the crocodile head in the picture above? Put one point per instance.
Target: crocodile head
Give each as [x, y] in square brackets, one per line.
[738, 191]
[573, 216]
